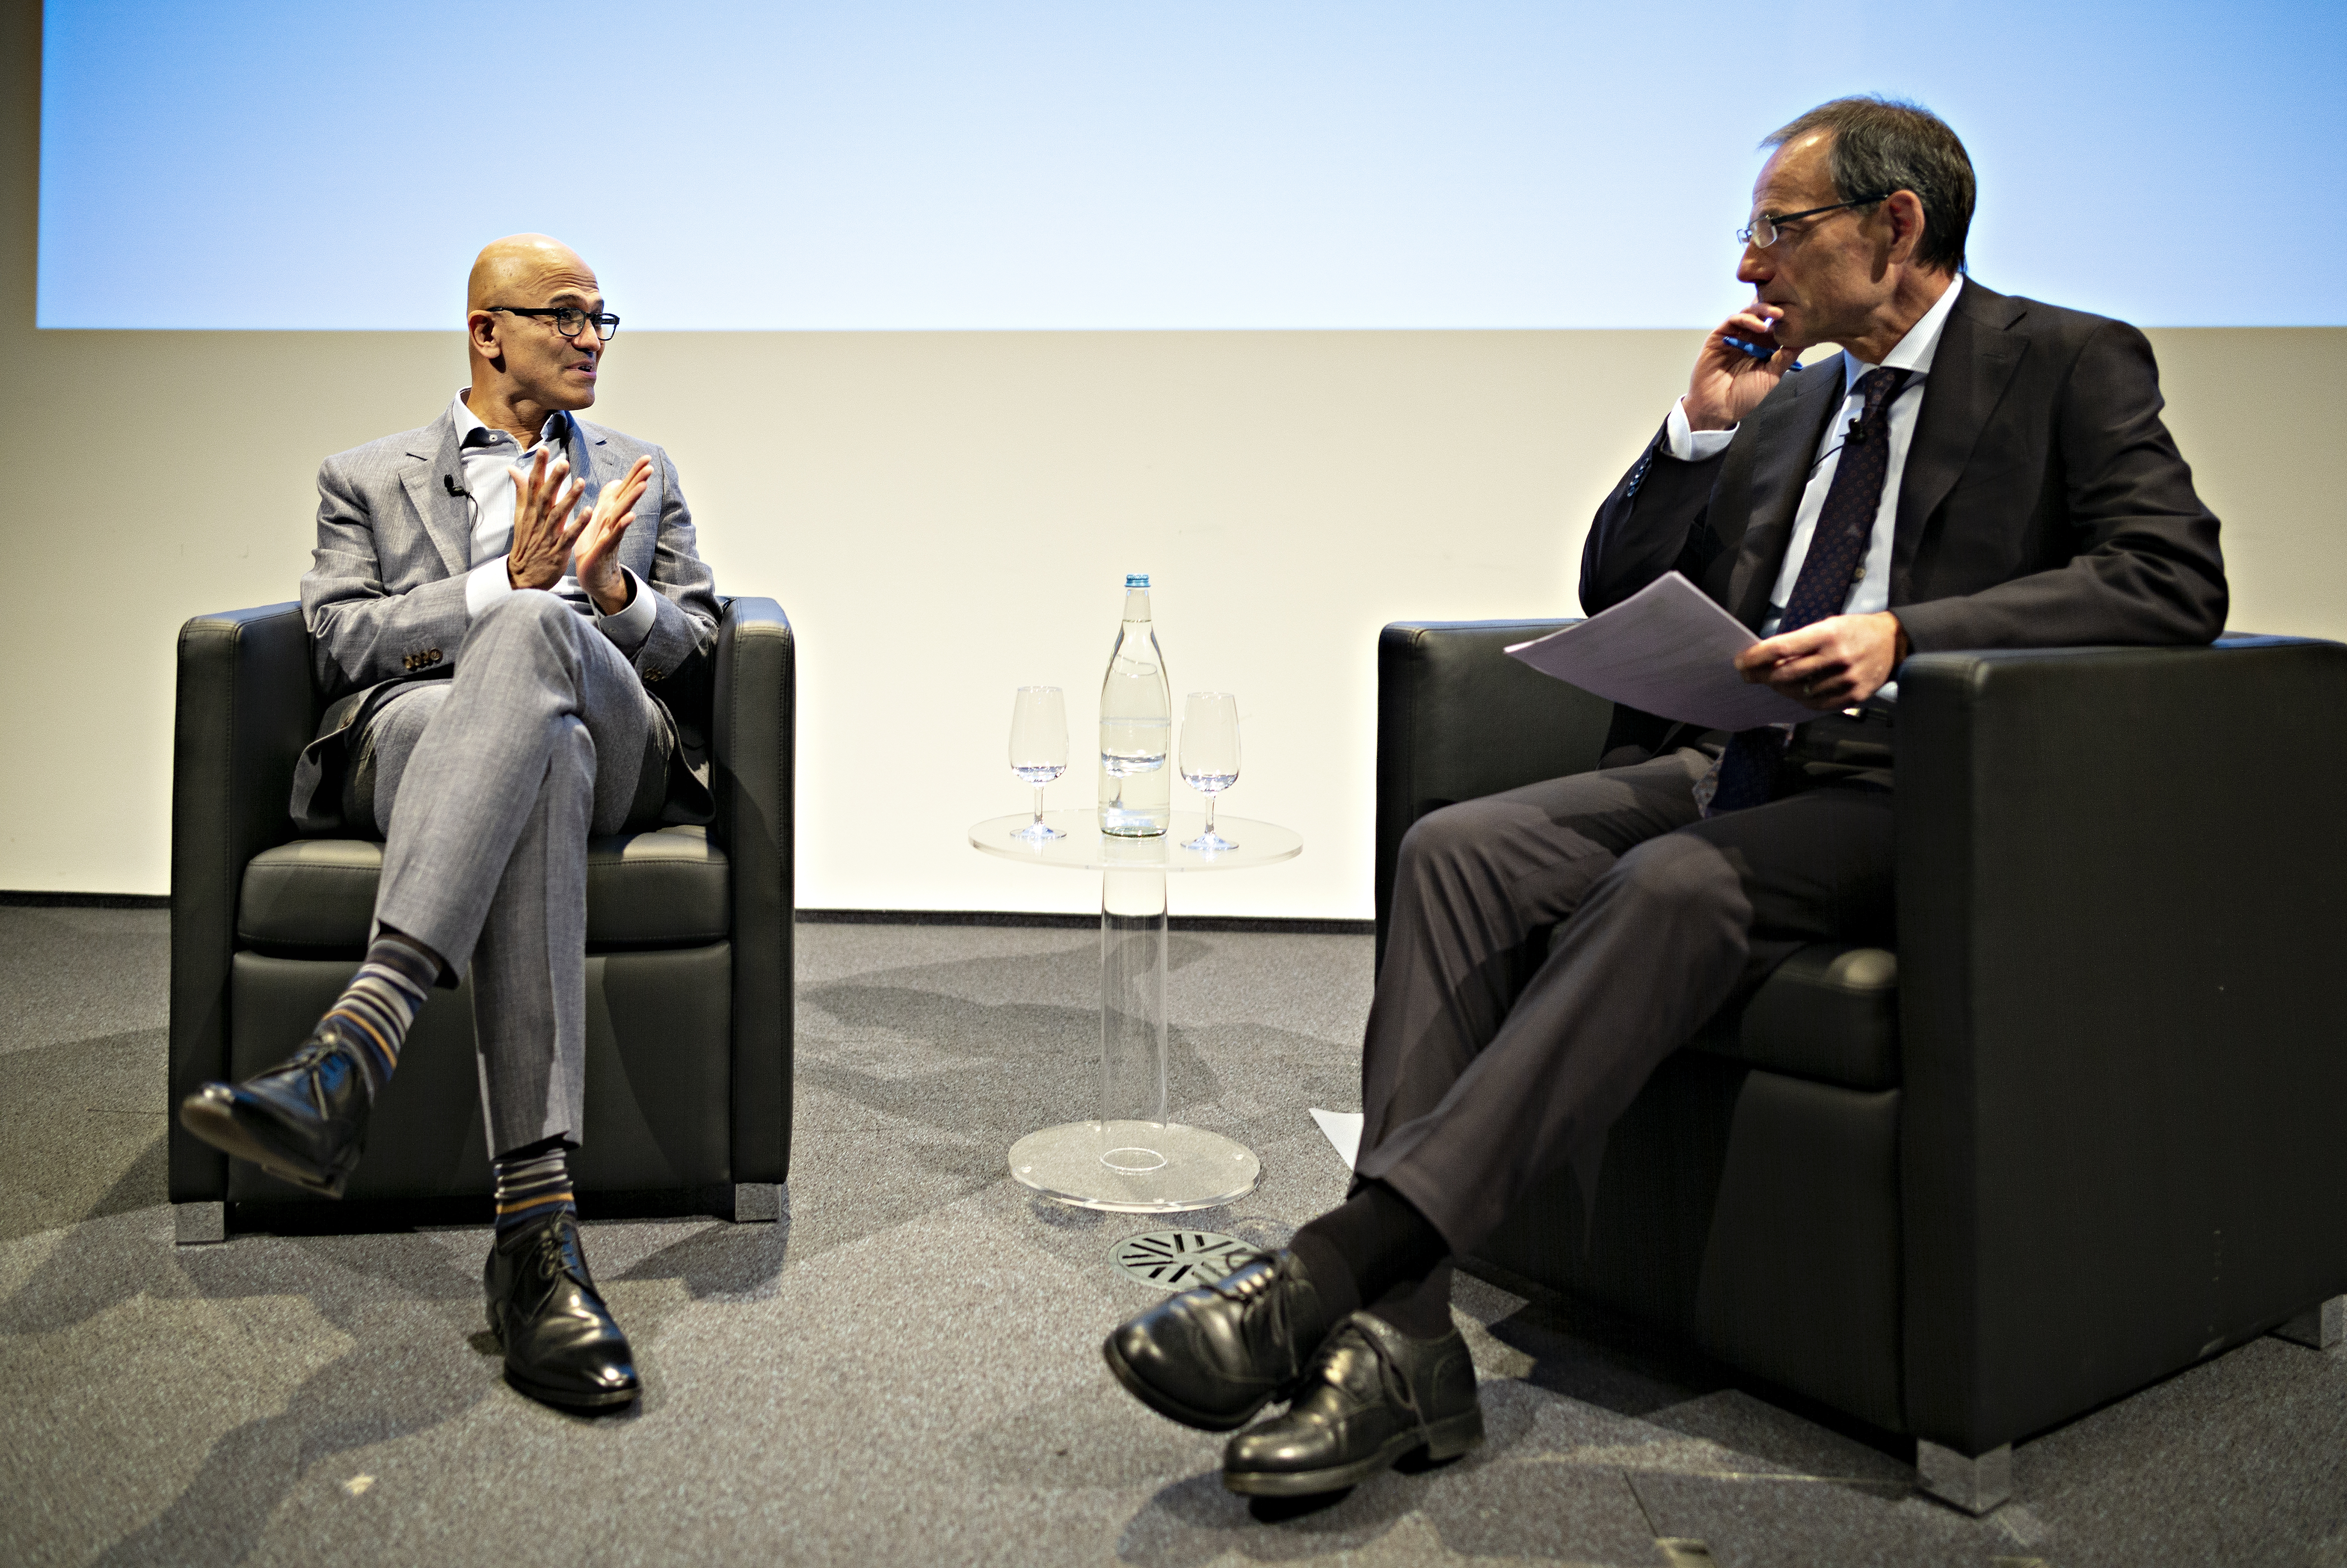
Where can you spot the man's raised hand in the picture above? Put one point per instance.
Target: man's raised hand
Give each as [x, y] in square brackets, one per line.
[594, 536]
[1729, 384]
[543, 503]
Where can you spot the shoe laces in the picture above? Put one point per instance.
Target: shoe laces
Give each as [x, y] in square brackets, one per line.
[314, 1050]
[559, 1254]
[1260, 1291]
[328, 1041]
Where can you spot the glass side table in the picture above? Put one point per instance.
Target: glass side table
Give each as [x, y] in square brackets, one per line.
[1129, 1158]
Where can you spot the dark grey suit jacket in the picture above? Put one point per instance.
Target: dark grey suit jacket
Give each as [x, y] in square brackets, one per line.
[2043, 503]
[384, 596]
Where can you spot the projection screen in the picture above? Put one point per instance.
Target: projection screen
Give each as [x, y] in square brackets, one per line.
[1039, 164]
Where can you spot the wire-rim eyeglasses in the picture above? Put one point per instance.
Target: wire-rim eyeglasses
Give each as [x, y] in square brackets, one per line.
[1763, 231]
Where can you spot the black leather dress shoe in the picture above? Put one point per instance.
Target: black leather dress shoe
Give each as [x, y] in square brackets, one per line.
[561, 1342]
[1372, 1396]
[304, 1121]
[1213, 1356]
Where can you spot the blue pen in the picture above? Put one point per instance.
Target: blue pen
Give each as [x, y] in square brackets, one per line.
[1756, 350]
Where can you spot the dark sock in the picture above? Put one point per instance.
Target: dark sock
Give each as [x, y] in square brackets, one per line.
[533, 1182]
[382, 1000]
[1367, 1248]
[1329, 1273]
[1421, 1310]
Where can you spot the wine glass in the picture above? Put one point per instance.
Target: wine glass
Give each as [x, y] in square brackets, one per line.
[1038, 749]
[1210, 757]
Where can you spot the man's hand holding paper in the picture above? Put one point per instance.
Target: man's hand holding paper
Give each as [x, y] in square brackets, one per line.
[1837, 662]
[1669, 649]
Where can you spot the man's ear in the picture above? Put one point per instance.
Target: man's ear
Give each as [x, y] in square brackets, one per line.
[1905, 211]
[481, 327]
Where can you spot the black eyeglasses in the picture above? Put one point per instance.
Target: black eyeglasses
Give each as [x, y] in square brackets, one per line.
[1763, 231]
[567, 319]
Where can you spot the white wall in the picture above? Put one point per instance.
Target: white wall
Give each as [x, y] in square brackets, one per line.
[945, 517]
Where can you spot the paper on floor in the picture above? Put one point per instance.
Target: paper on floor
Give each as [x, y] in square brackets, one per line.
[1665, 650]
[1343, 1128]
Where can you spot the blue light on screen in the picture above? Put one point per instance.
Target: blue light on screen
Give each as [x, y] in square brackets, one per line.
[892, 165]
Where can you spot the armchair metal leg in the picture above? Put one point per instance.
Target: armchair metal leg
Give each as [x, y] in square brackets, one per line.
[2320, 1326]
[752, 1202]
[199, 1224]
[1975, 1484]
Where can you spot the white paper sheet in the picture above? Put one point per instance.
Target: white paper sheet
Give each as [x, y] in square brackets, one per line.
[1666, 649]
[1343, 1128]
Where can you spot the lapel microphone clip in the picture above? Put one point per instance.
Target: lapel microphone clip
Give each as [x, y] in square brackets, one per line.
[454, 487]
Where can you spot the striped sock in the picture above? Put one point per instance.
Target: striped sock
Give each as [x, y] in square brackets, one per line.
[382, 1000]
[533, 1182]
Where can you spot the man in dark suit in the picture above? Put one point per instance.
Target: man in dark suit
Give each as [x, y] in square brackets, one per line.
[1972, 471]
[494, 599]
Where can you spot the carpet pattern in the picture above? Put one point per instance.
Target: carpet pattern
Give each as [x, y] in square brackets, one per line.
[906, 1369]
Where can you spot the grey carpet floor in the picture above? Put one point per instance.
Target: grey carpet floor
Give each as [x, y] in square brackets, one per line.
[907, 1369]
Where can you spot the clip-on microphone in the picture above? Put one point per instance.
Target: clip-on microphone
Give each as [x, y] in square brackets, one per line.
[454, 487]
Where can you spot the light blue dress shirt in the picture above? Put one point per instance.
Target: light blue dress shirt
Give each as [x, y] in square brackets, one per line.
[489, 456]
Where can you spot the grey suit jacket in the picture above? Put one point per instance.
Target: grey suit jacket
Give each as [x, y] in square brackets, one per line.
[384, 595]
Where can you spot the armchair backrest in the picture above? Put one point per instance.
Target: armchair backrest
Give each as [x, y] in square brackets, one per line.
[244, 712]
[1457, 718]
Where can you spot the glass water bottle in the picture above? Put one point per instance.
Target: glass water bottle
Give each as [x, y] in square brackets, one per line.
[1136, 726]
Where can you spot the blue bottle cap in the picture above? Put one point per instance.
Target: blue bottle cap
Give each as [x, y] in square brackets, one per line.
[1136, 579]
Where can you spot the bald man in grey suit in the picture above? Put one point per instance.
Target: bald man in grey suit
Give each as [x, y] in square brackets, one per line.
[494, 596]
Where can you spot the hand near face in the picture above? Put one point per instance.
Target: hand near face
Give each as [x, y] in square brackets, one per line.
[1729, 384]
[544, 498]
[595, 538]
[1837, 662]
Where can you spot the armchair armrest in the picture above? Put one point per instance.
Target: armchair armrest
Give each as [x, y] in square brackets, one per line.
[1457, 718]
[754, 724]
[243, 713]
[2123, 964]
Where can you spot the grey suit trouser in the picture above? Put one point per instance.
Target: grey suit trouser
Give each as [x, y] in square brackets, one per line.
[486, 787]
[1493, 1061]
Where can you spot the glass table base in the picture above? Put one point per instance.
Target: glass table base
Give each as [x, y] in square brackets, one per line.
[1134, 1167]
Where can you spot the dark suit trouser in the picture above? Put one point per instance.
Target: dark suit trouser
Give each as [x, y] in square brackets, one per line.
[487, 787]
[1487, 1066]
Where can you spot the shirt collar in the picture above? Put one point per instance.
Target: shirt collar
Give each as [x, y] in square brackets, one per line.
[471, 432]
[1915, 352]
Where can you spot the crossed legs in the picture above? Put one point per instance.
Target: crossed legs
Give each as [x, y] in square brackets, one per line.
[1491, 1061]
[487, 786]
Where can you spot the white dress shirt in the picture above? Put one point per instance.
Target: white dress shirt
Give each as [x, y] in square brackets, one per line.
[488, 457]
[1870, 593]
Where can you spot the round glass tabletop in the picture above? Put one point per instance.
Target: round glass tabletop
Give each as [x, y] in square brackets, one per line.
[1085, 847]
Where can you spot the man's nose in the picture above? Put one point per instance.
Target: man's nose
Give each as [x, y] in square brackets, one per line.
[1755, 267]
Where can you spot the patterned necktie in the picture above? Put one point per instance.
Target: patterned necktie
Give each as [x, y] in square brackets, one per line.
[1747, 772]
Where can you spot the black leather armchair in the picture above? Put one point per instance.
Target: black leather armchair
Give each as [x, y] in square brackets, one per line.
[2074, 1135]
[688, 940]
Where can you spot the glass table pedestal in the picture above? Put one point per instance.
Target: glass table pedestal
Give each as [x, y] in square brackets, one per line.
[1128, 1157]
